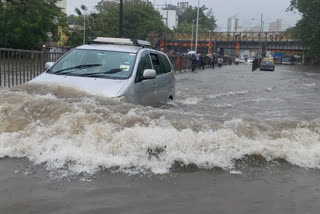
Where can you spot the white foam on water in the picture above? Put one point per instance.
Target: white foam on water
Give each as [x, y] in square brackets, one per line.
[90, 136]
[46, 96]
[228, 94]
[223, 106]
[310, 85]
[235, 172]
[190, 101]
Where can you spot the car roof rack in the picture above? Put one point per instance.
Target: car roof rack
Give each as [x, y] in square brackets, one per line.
[121, 41]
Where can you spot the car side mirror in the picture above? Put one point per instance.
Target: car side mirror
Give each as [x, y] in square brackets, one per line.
[149, 74]
[48, 65]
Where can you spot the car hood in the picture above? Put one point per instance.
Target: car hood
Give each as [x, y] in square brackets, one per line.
[95, 86]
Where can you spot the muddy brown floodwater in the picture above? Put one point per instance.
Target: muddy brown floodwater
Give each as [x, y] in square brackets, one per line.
[233, 141]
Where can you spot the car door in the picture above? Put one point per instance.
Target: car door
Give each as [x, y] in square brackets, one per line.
[169, 86]
[145, 90]
[162, 78]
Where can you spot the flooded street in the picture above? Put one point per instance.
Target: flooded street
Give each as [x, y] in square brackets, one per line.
[233, 141]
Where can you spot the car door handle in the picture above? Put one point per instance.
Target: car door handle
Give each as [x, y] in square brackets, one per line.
[154, 85]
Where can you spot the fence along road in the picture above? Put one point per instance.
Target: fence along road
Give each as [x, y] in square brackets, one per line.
[20, 66]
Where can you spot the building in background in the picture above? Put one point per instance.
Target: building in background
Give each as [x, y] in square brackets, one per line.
[232, 24]
[169, 16]
[275, 26]
[255, 29]
[182, 6]
[63, 5]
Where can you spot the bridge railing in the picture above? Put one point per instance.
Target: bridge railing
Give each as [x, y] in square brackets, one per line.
[20, 66]
[232, 36]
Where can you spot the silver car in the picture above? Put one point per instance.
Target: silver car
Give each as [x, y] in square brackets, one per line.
[117, 68]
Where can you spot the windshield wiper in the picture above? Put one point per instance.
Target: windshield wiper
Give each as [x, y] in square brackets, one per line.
[112, 71]
[76, 67]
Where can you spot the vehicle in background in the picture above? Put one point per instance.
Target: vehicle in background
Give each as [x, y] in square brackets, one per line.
[242, 60]
[297, 60]
[287, 61]
[277, 60]
[267, 64]
[250, 61]
[128, 70]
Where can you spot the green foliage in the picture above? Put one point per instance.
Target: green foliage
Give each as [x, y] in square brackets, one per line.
[25, 24]
[206, 20]
[75, 38]
[307, 29]
[139, 19]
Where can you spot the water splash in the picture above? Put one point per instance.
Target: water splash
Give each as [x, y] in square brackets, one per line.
[85, 134]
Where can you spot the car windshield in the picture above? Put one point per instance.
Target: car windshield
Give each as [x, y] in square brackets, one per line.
[96, 63]
[267, 63]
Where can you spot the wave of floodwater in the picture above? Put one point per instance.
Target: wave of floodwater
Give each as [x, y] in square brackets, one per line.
[67, 129]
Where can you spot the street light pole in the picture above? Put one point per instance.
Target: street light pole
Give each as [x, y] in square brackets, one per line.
[121, 19]
[197, 31]
[260, 42]
[209, 41]
[261, 31]
[192, 35]
[84, 28]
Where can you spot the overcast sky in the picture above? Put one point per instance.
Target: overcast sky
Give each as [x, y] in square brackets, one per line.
[245, 10]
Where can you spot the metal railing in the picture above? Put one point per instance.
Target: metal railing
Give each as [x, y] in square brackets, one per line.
[20, 66]
[181, 63]
[230, 36]
[184, 63]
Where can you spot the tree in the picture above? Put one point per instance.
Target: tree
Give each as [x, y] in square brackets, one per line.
[139, 19]
[75, 32]
[307, 30]
[206, 21]
[25, 24]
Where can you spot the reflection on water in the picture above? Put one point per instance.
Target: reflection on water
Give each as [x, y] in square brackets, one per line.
[220, 116]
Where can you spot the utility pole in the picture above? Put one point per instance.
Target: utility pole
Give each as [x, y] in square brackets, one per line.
[215, 42]
[209, 41]
[260, 42]
[197, 30]
[167, 13]
[192, 36]
[192, 33]
[167, 22]
[121, 19]
[84, 28]
[84, 9]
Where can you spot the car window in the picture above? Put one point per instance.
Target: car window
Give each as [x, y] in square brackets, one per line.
[157, 63]
[144, 64]
[266, 63]
[166, 63]
[110, 64]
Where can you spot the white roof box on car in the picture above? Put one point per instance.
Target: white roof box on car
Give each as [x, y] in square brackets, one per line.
[121, 41]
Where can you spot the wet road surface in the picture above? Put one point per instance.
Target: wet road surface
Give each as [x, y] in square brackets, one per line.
[233, 141]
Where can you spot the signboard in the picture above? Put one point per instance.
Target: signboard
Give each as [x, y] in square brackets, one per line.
[237, 48]
[210, 48]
